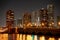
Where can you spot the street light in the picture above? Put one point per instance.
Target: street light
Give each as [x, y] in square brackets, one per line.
[34, 24]
[29, 24]
[43, 24]
[59, 23]
[51, 24]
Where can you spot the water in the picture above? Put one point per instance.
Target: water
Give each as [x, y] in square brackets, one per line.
[24, 37]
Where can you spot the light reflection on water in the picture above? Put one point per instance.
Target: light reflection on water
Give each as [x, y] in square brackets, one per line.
[3, 36]
[25, 37]
[51, 38]
[58, 38]
[42, 38]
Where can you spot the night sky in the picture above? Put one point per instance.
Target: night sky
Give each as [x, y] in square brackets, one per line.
[19, 6]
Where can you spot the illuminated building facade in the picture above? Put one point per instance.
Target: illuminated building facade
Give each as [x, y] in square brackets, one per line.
[43, 18]
[26, 19]
[10, 18]
[50, 12]
[35, 18]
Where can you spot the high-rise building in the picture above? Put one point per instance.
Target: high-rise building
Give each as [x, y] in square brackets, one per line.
[26, 19]
[50, 12]
[43, 18]
[35, 18]
[19, 23]
[10, 18]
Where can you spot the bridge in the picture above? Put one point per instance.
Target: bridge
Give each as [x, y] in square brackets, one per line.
[38, 31]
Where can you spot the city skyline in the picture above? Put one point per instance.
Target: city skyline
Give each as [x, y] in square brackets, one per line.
[20, 6]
